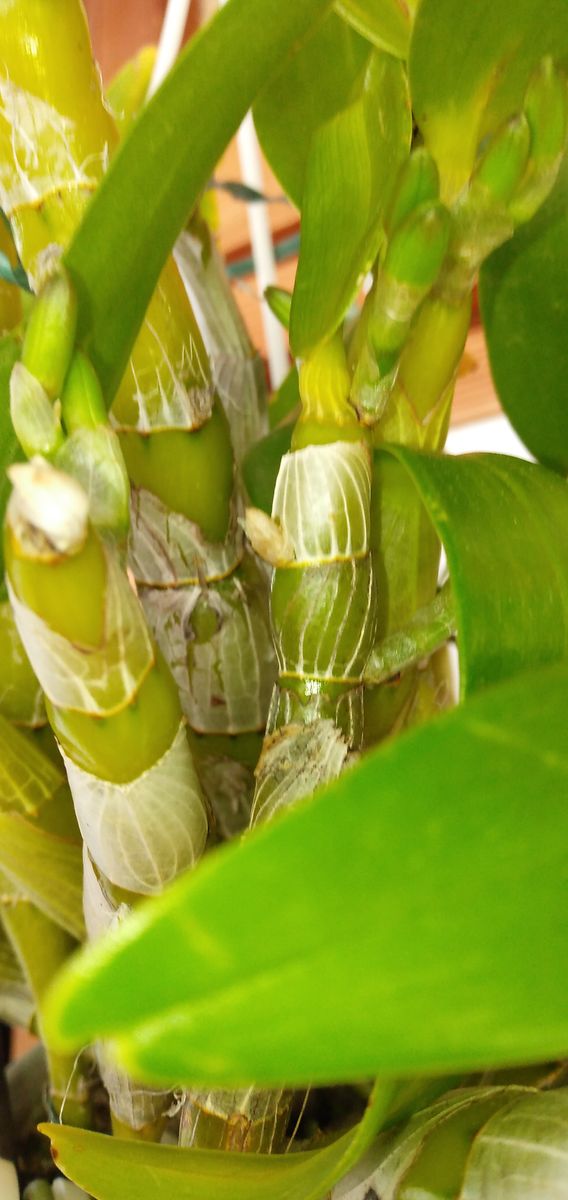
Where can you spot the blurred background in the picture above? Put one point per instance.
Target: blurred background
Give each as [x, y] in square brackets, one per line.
[118, 31]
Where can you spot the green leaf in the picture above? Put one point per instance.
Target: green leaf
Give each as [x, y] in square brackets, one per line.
[385, 23]
[9, 449]
[44, 868]
[124, 1170]
[524, 307]
[41, 947]
[16, 1001]
[159, 171]
[15, 275]
[284, 405]
[469, 68]
[500, 520]
[262, 464]
[314, 83]
[28, 778]
[351, 168]
[410, 918]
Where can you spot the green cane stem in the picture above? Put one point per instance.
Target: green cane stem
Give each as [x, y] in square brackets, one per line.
[175, 438]
[322, 610]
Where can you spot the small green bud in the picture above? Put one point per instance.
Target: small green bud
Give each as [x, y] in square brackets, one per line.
[432, 352]
[82, 403]
[50, 334]
[93, 458]
[280, 303]
[418, 247]
[418, 183]
[546, 109]
[413, 261]
[502, 165]
[35, 419]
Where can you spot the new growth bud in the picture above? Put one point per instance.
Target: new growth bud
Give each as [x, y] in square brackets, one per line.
[417, 248]
[82, 401]
[418, 183]
[546, 111]
[280, 303]
[35, 419]
[50, 334]
[501, 168]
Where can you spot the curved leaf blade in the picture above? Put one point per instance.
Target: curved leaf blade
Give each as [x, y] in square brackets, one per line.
[112, 1169]
[314, 83]
[9, 448]
[499, 519]
[469, 68]
[155, 179]
[385, 23]
[45, 869]
[424, 898]
[353, 161]
[524, 307]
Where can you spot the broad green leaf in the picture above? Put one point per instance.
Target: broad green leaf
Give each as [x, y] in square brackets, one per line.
[9, 449]
[353, 161]
[410, 918]
[386, 23]
[525, 314]
[112, 1169]
[315, 81]
[45, 868]
[41, 947]
[16, 1002]
[469, 68]
[501, 521]
[164, 163]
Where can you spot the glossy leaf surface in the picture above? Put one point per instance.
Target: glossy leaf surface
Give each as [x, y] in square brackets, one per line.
[469, 68]
[314, 83]
[500, 520]
[422, 895]
[385, 23]
[159, 171]
[353, 161]
[524, 306]
[123, 1170]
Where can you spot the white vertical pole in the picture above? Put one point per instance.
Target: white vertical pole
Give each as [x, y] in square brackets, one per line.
[171, 38]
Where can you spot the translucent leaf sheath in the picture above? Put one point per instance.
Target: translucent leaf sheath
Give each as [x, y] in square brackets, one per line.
[322, 506]
[142, 819]
[509, 1143]
[237, 369]
[323, 619]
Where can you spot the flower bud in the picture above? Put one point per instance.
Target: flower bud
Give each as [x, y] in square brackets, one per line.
[546, 110]
[418, 183]
[35, 419]
[50, 334]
